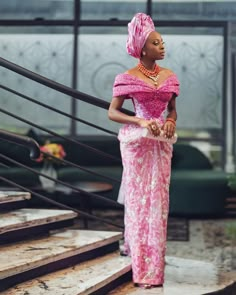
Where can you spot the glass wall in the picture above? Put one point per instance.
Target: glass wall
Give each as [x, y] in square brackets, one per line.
[196, 58]
[33, 9]
[42, 37]
[111, 10]
[194, 10]
[45, 51]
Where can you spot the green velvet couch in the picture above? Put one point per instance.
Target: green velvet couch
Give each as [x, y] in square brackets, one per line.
[196, 190]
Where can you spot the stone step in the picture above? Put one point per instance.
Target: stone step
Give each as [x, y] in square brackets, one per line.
[191, 271]
[184, 277]
[169, 288]
[29, 259]
[10, 196]
[12, 200]
[24, 223]
[97, 276]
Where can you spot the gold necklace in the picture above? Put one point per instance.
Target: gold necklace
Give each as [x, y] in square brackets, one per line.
[154, 78]
[153, 75]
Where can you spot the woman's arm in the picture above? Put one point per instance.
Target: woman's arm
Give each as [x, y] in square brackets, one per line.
[170, 124]
[116, 115]
[172, 113]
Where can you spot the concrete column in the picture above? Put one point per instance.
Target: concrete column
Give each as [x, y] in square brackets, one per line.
[230, 161]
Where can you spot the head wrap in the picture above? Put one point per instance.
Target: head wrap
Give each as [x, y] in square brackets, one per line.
[138, 31]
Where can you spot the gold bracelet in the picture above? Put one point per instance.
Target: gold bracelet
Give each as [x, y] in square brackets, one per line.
[171, 120]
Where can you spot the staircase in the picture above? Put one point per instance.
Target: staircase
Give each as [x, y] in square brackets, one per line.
[41, 253]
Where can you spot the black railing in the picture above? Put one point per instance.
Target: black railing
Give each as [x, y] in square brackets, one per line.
[26, 141]
[77, 95]
[60, 205]
[55, 110]
[95, 196]
[234, 103]
[101, 153]
[34, 150]
[57, 86]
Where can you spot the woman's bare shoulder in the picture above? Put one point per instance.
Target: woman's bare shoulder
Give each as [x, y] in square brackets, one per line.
[132, 71]
[166, 71]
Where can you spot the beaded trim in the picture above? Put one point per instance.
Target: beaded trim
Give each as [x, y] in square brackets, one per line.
[148, 73]
[171, 120]
[153, 75]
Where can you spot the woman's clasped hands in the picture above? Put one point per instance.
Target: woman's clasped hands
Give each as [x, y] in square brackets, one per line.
[168, 129]
[151, 125]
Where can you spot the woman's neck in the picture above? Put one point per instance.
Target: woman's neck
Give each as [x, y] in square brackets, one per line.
[149, 65]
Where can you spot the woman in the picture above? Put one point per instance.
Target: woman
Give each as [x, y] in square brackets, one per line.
[146, 161]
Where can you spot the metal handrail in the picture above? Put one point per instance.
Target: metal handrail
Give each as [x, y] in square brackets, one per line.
[57, 86]
[96, 196]
[61, 136]
[76, 94]
[60, 205]
[26, 141]
[38, 102]
[34, 154]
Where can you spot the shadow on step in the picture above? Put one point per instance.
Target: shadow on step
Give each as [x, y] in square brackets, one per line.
[229, 290]
[13, 280]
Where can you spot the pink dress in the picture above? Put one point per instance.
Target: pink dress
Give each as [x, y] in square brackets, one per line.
[146, 177]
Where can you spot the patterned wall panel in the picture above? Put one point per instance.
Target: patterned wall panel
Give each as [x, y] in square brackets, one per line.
[197, 60]
[47, 55]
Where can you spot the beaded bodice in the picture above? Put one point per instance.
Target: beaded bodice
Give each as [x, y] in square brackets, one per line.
[149, 101]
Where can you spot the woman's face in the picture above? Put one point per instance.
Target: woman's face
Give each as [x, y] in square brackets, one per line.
[154, 47]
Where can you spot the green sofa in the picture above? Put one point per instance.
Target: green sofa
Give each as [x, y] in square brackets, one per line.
[196, 190]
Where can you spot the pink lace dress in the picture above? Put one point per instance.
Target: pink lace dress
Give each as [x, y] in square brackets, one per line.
[146, 177]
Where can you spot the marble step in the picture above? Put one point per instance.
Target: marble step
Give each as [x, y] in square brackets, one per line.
[96, 276]
[191, 271]
[186, 277]
[28, 222]
[13, 200]
[28, 259]
[10, 196]
[170, 288]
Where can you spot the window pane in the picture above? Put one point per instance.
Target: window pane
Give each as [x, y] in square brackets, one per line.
[112, 9]
[102, 55]
[194, 10]
[31, 9]
[47, 54]
[197, 59]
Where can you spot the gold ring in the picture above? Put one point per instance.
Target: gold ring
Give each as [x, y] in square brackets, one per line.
[153, 127]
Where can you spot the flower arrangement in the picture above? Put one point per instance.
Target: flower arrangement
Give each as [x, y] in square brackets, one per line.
[54, 149]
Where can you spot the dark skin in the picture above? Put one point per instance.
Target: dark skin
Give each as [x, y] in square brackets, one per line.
[152, 51]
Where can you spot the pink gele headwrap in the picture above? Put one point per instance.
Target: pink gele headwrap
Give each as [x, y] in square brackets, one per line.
[138, 31]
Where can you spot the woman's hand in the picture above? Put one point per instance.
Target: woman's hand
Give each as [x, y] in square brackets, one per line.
[151, 125]
[169, 128]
